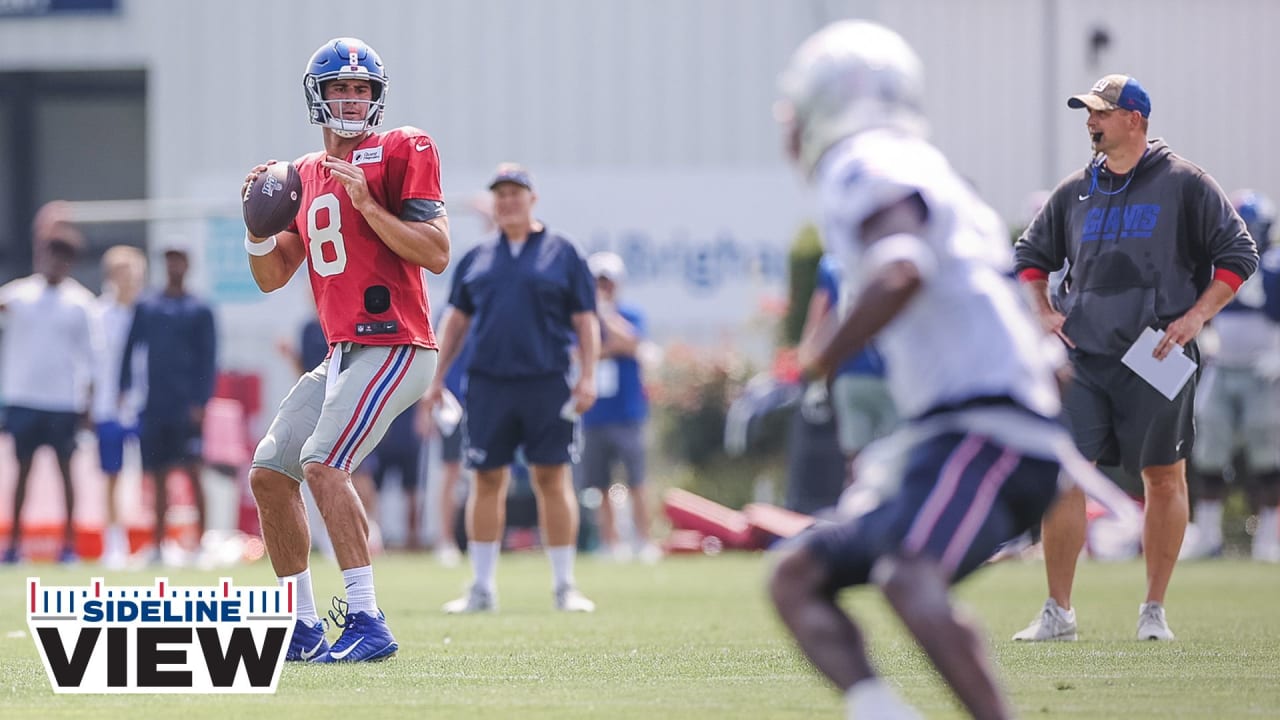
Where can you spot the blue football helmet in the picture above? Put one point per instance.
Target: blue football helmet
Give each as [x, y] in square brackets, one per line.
[345, 58]
[1258, 213]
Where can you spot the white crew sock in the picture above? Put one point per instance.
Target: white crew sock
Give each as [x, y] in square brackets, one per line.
[872, 698]
[562, 565]
[306, 596]
[1267, 534]
[359, 584]
[484, 563]
[115, 541]
[1209, 520]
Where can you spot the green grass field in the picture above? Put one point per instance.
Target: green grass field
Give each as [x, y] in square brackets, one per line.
[694, 638]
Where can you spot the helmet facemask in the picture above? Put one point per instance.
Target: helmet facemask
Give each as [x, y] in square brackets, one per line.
[345, 59]
[331, 113]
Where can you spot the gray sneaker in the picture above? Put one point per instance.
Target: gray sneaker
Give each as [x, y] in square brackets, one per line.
[1151, 623]
[568, 599]
[476, 600]
[1053, 623]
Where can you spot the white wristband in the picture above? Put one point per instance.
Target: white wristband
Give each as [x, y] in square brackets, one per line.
[258, 249]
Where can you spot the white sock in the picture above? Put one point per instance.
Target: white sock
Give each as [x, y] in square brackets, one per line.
[1267, 533]
[872, 698]
[306, 596]
[562, 564]
[359, 584]
[484, 563]
[115, 542]
[1209, 520]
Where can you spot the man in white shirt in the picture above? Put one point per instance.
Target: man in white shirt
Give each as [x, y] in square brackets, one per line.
[115, 414]
[46, 357]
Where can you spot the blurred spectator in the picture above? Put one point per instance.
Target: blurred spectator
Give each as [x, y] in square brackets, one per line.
[399, 450]
[312, 347]
[1237, 405]
[177, 329]
[446, 424]
[614, 428]
[115, 415]
[47, 355]
[860, 399]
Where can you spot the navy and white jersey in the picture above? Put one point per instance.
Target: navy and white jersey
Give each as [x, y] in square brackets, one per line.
[1248, 328]
[182, 350]
[522, 305]
[968, 333]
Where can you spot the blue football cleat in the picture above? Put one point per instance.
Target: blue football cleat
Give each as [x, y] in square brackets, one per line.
[308, 643]
[365, 638]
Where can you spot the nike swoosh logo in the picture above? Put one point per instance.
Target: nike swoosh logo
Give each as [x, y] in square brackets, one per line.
[422, 145]
[344, 653]
[1082, 197]
[308, 654]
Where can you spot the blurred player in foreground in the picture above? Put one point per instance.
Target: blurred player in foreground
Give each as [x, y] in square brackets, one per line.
[927, 265]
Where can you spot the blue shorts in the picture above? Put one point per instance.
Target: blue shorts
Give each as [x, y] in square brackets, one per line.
[603, 446]
[32, 428]
[406, 460]
[502, 415]
[961, 497]
[451, 445]
[169, 441]
[111, 437]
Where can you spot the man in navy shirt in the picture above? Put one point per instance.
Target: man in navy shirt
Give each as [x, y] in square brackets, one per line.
[613, 429]
[518, 301]
[177, 329]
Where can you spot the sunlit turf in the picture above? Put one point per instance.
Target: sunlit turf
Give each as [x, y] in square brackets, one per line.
[693, 637]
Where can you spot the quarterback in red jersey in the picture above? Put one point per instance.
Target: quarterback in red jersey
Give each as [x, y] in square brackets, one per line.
[371, 221]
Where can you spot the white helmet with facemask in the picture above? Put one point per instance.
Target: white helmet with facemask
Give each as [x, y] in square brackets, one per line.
[848, 77]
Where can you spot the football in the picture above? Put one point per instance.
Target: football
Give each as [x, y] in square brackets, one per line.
[272, 200]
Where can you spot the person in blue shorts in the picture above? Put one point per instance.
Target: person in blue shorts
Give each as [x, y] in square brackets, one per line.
[613, 430]
[519, 300]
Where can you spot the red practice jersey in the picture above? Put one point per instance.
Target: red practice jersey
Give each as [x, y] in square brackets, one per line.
[364, 292]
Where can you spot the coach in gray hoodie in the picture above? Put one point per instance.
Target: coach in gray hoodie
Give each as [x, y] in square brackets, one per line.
[1149, 240]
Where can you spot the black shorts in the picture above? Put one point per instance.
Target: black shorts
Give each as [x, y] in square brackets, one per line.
[32, 428]
[604, 446]
[404, 459]
[1116, 418]
[961, 497]
[169, 441]
[451, 444]
[505, 414]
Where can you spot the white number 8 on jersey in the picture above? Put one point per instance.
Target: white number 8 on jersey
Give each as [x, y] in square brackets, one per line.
[330, 233]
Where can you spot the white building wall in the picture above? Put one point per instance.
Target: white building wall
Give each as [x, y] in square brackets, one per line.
[671, 84]
[651, 120]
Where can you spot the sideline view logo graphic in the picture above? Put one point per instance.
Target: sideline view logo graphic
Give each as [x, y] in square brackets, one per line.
[161, 639]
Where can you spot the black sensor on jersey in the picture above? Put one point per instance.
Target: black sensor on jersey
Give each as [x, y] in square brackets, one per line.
[377, 299]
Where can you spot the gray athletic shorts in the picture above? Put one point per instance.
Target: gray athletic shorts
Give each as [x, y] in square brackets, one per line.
[1117, 418]
[339, 422]
[1235, 408]
[864, 411]
[605, 445]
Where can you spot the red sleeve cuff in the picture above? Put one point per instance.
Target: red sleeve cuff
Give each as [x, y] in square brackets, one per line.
[1032, 274]
[1228, 277]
